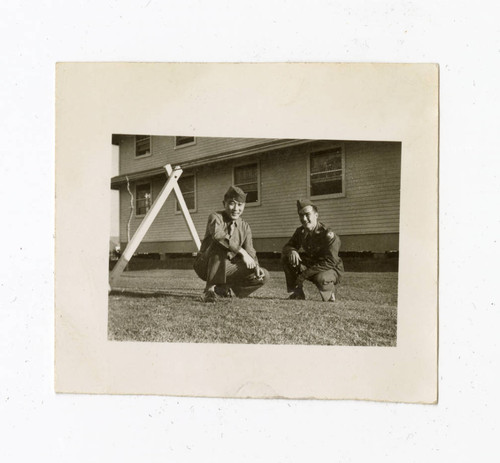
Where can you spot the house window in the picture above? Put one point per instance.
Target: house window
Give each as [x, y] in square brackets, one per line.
[142, 146]
[143, 198]
[247, 178]
[326, 172]
[184, 141]
[187, 183]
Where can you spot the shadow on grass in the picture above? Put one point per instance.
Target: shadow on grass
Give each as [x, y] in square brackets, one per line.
[268, 298]
[179, 294]
[152, 294]
[182, 296]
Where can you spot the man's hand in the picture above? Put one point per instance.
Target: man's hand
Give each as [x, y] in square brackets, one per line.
[259, 273]
[294, 259]
[248, 259]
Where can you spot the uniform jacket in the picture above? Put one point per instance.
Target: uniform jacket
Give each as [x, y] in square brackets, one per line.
[218, 234]
[318, 249]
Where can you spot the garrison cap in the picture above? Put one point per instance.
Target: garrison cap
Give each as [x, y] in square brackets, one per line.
[303, 203]
[236, 194]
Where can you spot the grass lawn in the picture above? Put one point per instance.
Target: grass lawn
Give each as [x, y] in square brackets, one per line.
[165, 306]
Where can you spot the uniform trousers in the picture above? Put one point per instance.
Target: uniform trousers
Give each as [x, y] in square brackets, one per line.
[325, 280]
[217, 269]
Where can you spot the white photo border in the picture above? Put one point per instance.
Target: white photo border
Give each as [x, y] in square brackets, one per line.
[344, 101]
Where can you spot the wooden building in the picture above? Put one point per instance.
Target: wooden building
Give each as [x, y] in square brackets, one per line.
[355, 184]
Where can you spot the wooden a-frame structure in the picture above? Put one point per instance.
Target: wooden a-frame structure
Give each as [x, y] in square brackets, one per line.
[133, 244]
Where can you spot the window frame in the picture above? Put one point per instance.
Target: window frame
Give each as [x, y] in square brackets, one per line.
[193, 174]
[259, 189]
[309, 183]
[138, 184]
[184, 145]
[141, 156]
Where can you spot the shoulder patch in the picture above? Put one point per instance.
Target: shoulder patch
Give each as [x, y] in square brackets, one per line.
[330, 234]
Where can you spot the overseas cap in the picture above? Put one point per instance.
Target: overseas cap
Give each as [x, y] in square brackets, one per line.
[303, 203]
[236, 194]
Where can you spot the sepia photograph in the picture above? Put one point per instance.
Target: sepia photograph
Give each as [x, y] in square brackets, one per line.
[254, 241]
[247, 230]
[239, 232]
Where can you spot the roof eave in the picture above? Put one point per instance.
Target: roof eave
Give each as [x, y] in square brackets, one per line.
[119, 180]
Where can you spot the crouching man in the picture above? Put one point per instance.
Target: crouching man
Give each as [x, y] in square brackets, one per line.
[312, 254]
[227, 260]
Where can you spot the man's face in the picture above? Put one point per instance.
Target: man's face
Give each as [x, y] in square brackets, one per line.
[233, 208]
[308, 218]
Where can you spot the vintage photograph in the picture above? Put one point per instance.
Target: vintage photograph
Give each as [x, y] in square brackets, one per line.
[254, 240]
[247, 230]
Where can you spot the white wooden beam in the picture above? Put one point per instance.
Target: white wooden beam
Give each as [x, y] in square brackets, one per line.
[147, 221]
[185, 210]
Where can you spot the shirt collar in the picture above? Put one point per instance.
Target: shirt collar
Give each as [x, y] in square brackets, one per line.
[228, 219]
[317, 230]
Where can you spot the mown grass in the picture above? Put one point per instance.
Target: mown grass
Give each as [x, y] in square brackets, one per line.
[165, 306]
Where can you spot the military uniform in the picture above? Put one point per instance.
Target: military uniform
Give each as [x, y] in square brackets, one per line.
[321, 264]
[218, 262]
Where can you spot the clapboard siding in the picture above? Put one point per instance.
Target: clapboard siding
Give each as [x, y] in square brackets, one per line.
[130, 163]
[164, 151]
[370, 205]
[204, 146]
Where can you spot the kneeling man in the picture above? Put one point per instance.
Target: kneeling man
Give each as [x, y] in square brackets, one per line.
[227, 260]
[312, 254]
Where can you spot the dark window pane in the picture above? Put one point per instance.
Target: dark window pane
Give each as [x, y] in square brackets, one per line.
[190, 203]
[248, 187]
[189, 198]
[142, 145]
[187, 187]
[326, 172]
[251, 191]
[142, 190]
[252, 196]
[326, 188]
[186, 183]
[246, 178]
[142, 206]
[245, 174]
[143, 199]
[326, 161]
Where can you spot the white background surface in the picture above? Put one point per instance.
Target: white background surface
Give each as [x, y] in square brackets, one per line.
[464, 38]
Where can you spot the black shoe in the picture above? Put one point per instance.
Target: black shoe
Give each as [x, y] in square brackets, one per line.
[297, 295]
[210, 296]
[223, 291]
